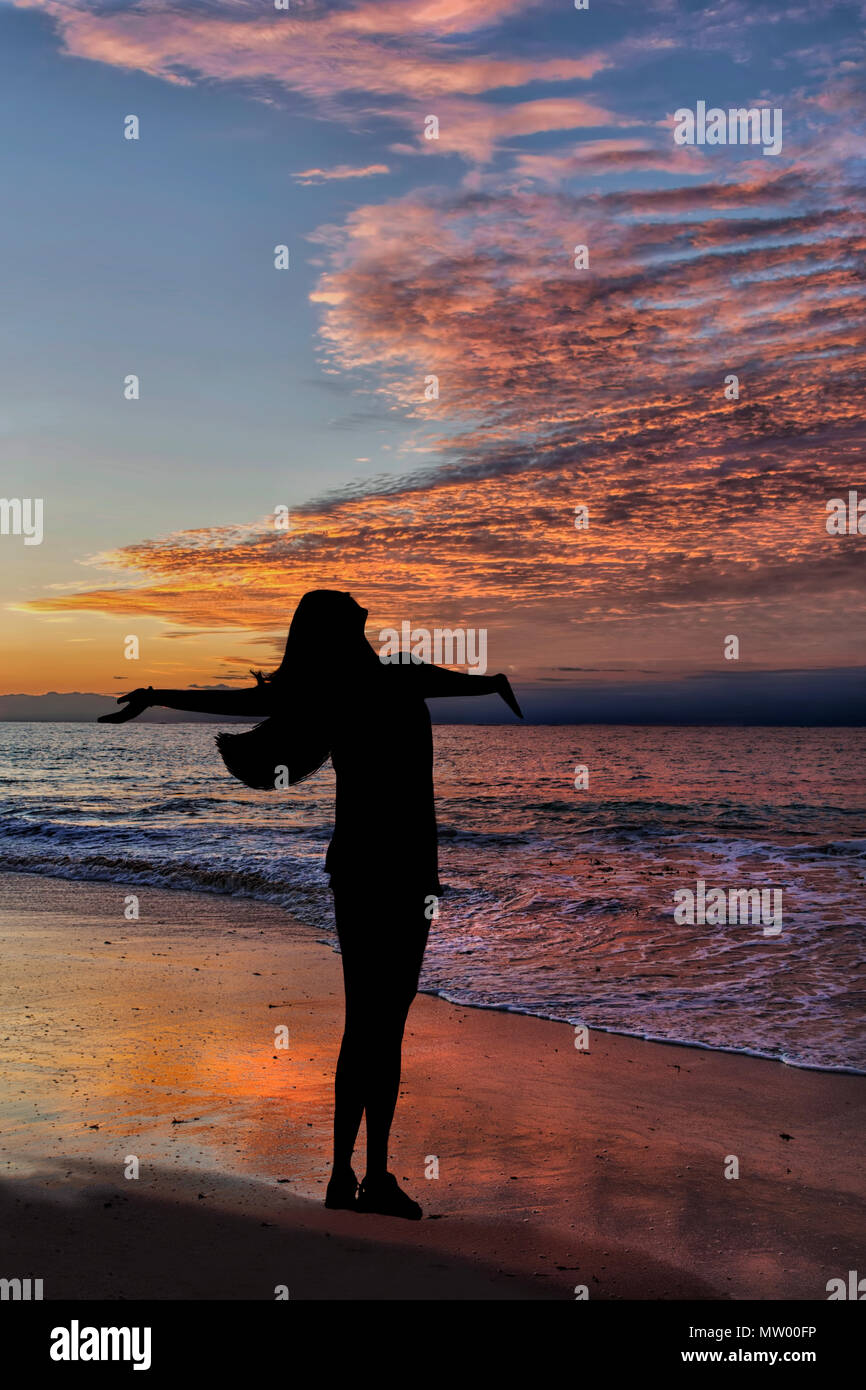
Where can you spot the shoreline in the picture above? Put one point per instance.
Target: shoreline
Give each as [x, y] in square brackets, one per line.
[273, 903]
[557, 1168]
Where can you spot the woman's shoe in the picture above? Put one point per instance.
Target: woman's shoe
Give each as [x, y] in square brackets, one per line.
[384, 1197]
[340, 1195]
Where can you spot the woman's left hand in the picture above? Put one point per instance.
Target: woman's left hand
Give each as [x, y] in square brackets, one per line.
[503, 688]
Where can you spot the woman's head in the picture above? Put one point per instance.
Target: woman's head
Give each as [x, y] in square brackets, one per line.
[327, 630]
[325, 647]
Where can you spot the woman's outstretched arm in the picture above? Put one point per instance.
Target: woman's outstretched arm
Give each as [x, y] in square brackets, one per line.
[253, 700]
[435, 682]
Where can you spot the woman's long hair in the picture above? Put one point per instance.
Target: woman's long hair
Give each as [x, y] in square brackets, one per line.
[325, 634]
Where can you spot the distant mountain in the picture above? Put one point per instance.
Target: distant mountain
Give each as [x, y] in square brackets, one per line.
[79, 708]
[834, 696]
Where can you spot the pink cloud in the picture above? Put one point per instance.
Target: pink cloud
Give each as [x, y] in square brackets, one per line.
[339, 171]
[610, 157]
[385, 49]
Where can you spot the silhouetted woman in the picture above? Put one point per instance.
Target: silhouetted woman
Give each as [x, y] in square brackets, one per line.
[333, 696]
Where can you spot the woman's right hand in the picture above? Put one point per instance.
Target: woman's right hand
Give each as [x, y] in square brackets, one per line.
[137, 701]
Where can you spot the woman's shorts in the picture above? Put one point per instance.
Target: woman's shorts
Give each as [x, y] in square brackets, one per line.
[383, 937]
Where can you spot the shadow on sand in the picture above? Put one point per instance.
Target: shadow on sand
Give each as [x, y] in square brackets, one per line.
[88, 1236]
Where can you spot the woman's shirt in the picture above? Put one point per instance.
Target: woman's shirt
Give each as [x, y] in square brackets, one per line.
[382, 752]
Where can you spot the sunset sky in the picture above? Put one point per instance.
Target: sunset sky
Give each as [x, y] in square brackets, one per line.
[412, 257]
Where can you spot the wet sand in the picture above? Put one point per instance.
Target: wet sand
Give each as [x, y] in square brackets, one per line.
[558, 1168]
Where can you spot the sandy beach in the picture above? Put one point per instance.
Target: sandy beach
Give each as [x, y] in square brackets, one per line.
[155, 1040]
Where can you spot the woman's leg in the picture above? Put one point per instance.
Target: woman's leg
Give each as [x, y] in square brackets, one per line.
[401, 942]
[348, 1078]
[381, 963]
[382, 1082]
[348, 1101]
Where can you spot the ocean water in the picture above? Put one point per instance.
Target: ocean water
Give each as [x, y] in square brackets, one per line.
[560, 902]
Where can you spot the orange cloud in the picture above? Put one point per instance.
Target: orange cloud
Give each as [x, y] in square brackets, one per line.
[602, 387]
[561, 387]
